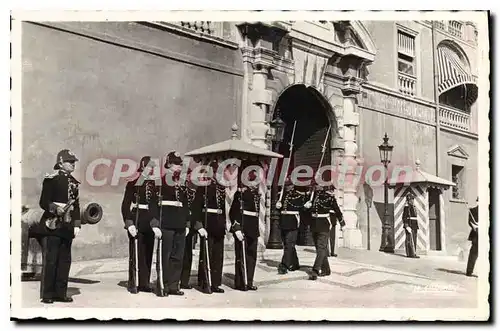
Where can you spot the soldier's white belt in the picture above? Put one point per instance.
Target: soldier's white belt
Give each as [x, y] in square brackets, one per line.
[139, 206]
[212, 210]
[171, 203]
[327, 216]
[413, 218]
[250, 213]
[289, 212]
[332, 211]
[292, 212]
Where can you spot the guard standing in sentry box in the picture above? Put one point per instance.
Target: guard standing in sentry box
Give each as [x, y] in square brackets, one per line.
[410, 224]
[244, 215]
[290, 205]
[137, 221]
[61, 222]
[170, 222]
[210, 209]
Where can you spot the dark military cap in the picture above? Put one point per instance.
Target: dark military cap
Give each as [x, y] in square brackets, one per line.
[173, 158]
[64, 155]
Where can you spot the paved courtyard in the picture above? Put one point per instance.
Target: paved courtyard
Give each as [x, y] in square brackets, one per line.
[429, 282]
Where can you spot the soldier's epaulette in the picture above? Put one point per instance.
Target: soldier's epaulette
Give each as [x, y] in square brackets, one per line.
[76, 180]
[52, 175]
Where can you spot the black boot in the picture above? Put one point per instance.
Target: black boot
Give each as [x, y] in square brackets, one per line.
[282, 269]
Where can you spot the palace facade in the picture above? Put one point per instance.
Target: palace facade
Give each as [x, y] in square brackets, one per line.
[128, 89]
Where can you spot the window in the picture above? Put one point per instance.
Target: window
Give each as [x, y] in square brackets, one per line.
[457, 177]
[407, 75]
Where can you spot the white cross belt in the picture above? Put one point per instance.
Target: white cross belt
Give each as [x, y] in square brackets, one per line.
[250, 213]
[171, 203]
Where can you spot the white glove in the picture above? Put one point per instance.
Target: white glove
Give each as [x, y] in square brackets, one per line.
[76, 231]
[157, 232]
[203, 232]
[132, 230]
[278, 205]
[308, 205]
[187, 231]
[239, 235]
[408, 229]
[342, 228]
[60, 211]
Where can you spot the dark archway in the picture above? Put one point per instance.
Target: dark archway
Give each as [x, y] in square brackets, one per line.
[314, 115]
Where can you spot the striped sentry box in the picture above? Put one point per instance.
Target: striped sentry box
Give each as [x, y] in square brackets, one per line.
[421, 198]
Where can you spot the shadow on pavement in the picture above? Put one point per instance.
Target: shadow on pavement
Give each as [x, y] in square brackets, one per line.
[37, 278]
[72, 291]
[83, 281]
[456, 272]
[123, 283]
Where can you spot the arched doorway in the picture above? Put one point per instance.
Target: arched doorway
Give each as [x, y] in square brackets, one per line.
[314, 115]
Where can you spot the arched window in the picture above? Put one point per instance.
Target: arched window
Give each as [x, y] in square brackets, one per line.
[457, 87]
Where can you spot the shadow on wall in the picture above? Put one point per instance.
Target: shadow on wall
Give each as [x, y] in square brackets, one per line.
[380, 209]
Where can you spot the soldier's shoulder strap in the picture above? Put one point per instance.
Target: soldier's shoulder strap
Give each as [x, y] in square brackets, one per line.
[74, 179]
[51, 175]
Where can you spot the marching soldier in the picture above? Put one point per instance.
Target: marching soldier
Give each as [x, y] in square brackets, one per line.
[170, 223]
[137, 220]
[293, 202]
[410, 224]
[473, 237]
[195, 226]
[321, 226]
[61, 222]
[244, 215]
[211, 209]
[335, 215]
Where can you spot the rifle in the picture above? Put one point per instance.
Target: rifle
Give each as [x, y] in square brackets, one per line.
[323, 150]
[205, 240]
[135, 253]
[159, 257]
[245, 277]
[278, 204]
[52, 222]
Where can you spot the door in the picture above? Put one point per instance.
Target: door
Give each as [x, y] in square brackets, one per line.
[434, 220]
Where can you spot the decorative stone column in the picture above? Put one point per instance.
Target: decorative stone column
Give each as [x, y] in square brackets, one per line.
[260, 98]
[352, 234]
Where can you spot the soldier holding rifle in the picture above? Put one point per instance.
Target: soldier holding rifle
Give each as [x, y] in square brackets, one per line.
[293, 202]
[321, 225]
[244, 214]
[61, 224]
[137, 220]
[196, 226]
[210, 207]
[170, 222]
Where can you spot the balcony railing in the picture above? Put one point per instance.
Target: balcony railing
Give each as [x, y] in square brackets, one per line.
[210, 28]
[455, 119]
[407, 84]
[460, 29]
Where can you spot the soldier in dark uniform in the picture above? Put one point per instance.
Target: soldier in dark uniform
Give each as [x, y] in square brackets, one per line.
[410, 224]
[137, 220]
[473, 237]
[195, 228]
[321, 225]
[293, 202]
[244, 215]
[335, 215]
[214, 196]
[174, 225]
[61, 221]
